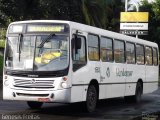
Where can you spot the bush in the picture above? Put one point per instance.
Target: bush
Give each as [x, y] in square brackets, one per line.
[2, 37]
[3, 33]
[2, 43]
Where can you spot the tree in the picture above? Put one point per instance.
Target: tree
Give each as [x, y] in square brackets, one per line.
[154, 20]
[94, 12]
[15, 10]
[114, 7]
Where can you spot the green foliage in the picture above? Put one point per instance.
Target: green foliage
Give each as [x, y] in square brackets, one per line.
[2, 37]
[2, 43]
[2, 33]
[154, 20]
[98, 7]
[100, 13]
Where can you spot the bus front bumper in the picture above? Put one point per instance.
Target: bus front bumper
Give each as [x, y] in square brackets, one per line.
[61, 96]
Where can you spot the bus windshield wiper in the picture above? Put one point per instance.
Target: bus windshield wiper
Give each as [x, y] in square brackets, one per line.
[46, 39]
[19, 45]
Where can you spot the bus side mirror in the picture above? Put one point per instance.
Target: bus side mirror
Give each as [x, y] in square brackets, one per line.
[78, 43]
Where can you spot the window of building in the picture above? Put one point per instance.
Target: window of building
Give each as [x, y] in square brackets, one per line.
[106, 49]
[130, 53]
[140, 54]
[93, 47]
[119, 54]
[155, 56]
[148, 55]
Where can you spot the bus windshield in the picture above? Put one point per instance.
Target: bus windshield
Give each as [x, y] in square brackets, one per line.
[37, 52]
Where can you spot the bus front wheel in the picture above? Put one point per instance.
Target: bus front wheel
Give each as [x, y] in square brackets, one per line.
[34, 105]
[91, 100]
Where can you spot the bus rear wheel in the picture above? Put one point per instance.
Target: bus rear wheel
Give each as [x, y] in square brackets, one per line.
[91, 100]
[34, 105]
[138, 94]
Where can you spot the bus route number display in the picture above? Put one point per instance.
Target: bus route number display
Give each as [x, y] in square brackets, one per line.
[45, 28]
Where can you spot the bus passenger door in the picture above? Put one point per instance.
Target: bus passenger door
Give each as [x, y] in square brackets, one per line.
[79, 61]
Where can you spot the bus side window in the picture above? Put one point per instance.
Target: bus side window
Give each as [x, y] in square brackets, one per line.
[93, 47]
[130, 53]
[148, 55]
[155, 56]
[140, 54]
[79, 54]
[119, 51]
[106, 49]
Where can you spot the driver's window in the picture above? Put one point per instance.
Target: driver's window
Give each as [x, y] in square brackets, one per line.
[79, 55]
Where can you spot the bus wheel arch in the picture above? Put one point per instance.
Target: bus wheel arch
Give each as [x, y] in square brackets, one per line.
[92, 96]
[96, 84]
[138, 91]
[141, 82]
[136, 98]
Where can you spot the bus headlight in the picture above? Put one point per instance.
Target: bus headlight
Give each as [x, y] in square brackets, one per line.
[6, 82]
[64, 85]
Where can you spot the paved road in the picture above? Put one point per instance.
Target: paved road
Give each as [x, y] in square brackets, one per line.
[110, 109]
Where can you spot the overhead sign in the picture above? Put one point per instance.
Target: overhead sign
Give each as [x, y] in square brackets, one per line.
[16, 28]
[134, 26]
[134, 17]
[134, 32]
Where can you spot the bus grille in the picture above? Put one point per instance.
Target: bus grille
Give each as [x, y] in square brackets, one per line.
[34, 83]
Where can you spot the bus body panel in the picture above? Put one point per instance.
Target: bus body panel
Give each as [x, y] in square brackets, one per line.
[33, 94]
[151, 76]
[111, 77]
[138, 73]
[61, 96]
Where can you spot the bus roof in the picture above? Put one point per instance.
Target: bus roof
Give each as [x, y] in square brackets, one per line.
[93, 30]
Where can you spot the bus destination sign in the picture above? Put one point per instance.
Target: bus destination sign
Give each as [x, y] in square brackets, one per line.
[45, 28]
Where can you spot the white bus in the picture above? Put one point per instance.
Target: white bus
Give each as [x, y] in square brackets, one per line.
[67, 62]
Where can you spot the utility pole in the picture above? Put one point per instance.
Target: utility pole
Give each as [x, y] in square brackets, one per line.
[135, 4]
[126, 5]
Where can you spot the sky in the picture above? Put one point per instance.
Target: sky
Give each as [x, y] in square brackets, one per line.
[140, 0]
[135, 3]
